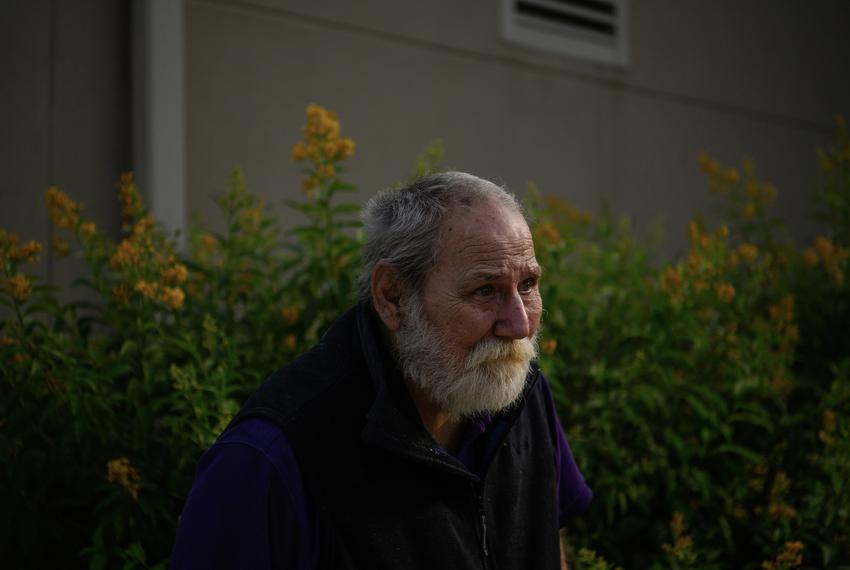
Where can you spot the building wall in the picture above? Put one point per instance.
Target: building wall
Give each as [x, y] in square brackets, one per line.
[725, 77]
[65, 108]
[718, 76]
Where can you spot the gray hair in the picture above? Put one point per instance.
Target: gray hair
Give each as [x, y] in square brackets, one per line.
[402, 225]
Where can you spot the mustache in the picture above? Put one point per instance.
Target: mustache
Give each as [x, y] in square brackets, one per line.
[494, 350]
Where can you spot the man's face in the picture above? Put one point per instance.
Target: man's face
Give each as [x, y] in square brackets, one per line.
[470, 338]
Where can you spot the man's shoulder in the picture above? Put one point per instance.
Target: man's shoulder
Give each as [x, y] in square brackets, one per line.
[311, 382]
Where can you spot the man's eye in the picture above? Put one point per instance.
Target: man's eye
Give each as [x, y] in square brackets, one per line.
[485, 291]
[527, 285]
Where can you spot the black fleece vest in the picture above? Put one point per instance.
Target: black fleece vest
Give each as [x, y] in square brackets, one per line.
[386, 495]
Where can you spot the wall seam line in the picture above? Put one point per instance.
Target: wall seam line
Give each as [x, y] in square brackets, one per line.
[684, 99]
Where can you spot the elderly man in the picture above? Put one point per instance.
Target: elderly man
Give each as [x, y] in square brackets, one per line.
[419, 432]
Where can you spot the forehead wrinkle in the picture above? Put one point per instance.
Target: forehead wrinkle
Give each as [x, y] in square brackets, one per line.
[507, 245]
[494, 266]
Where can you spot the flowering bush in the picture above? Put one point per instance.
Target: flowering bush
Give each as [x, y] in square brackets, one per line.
[713, 393]
[706, 400]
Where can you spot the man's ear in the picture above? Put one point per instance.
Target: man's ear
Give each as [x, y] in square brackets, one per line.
[387, 293]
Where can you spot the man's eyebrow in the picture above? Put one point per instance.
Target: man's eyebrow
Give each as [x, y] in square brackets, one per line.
[483, 275]
[493, 275]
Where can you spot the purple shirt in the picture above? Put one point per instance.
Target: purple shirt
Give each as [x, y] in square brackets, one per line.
[248, 507]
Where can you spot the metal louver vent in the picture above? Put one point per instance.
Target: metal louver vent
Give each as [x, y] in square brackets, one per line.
[590, 29]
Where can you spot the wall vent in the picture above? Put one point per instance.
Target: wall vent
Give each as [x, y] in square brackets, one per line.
[589, 29]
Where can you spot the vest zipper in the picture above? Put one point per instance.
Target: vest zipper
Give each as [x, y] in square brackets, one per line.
[482, 518]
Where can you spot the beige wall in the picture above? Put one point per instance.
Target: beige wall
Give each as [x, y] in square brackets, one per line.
[722, 76]
[725, 77]
[65, 108]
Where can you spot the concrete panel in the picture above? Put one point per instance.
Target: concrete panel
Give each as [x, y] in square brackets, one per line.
[92, 105]
[250, 76]
[65, 108]
[25, 112]
[91, 142]
[251, 72]
[787, 59]
[658, 173]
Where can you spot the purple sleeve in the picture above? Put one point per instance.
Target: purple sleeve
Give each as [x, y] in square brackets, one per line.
[574, 495]
[247, 507]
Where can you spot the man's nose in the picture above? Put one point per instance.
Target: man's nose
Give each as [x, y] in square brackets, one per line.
[512, 321]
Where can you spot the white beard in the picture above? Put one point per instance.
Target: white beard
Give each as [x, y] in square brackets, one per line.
[490, 378]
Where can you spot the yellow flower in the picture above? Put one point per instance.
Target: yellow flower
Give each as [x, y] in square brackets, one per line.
[131, 200]
[725, 292]
[828, 421]
[790, 557]
[27, 252]
[88, 229]
[322, 144]
[126, 255]
[694, 232]
[781, 511]
[748, 212]
[19, 287]
[209, 242]
[60, 246]
[784, 310]
[549, 346]
[314, 152]
[250, 218]
[299, 151]
[145, 289]
[682, 547]
[121, 293]
[345, 149]
[792, 333]
[732, 176]
[810, 257]
[781, 384]
[7, 341]
[824, 247]
[694, 261]
[172, 296]
[671, 281]
[320, 123]
[315, 112]
[176, 274]
[708, 164]
[331, 147]
[142, 227]
[326, 171]
[289, 342]
[120, 471]
[289, 314]
[547, 232]
[307, 185]
[63, 211]
[748, 251]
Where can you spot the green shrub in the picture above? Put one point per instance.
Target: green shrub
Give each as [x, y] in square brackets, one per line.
[711, 394]
[706, 400]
